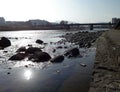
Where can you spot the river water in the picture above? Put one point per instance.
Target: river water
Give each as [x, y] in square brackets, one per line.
[68, 76]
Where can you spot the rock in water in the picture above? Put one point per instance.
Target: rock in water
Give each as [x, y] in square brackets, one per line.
[40, 57]
[39, 41]
[57, 59]
[82, 64]
[21, 49]
[4, 42]
[18, 56]
[72, 52]
[32, 50]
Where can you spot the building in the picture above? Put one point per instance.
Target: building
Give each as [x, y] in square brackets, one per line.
[38, 22]
[115, 20]
[2, 21]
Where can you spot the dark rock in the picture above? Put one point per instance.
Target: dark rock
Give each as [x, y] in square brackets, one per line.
[89, 45]
[30, 45]
[72, 52]
[40, 57]
[18, 56]
[65, 47]
[10, 68]
[21, 49]
[51, 42]
[45, 44]
[4, 42]
[32, 50]
[26, 66]
[39, 41]
[8, 73]
[59, 47]
[54, 50]
[57, 59]
[5, 51]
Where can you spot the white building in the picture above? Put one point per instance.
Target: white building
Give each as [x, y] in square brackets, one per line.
[38, 22]
[2, 21]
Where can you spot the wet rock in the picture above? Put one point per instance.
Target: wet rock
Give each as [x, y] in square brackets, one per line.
[21, 49]
[57, 59]
[65, 47]
[45, 44]
[10, 68]
[32, 50]
[4, 42]
[8, 73]
[89, 45]
[58, 71]
[18, 56]
[26, 66]
[72, 52]
[82, 64]
[30, 45]
[54, 50]
[5, 51]
[40, 57]
[59, 47]
[51, 42]
[39, 41]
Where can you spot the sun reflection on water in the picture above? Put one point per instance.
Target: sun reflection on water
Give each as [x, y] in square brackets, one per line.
[23, 63]
[28, 74]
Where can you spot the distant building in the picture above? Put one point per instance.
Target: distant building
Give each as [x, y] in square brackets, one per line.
[38, 22]
[2, 21]
[16, 23]
[115, 20]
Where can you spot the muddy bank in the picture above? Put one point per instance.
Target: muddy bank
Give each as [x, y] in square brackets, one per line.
[106, 72]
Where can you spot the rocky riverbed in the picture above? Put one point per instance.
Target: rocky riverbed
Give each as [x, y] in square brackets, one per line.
[83, 39]
[55, 62]
[37, 54]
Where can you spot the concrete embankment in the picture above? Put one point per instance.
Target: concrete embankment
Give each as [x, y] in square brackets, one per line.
[106, 72]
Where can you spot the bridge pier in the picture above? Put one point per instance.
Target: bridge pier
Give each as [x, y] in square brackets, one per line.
[91, 27]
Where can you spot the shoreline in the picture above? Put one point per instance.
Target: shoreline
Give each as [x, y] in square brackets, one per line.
[106, 72]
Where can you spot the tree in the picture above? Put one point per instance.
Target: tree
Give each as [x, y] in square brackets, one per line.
[62, 22]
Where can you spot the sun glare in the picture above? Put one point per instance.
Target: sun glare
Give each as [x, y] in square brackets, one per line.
[27, 74]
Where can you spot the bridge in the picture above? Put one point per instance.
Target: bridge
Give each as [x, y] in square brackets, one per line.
[91, 25]
[73, 26]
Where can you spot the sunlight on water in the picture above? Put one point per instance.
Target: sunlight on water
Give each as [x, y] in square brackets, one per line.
[28, 74]
[23, 63]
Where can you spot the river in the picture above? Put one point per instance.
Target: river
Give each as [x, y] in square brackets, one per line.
[68, 76]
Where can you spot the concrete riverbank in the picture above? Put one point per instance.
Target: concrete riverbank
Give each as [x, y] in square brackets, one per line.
[106, 72]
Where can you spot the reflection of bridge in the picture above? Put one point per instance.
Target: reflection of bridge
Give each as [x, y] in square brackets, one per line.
[91, 25]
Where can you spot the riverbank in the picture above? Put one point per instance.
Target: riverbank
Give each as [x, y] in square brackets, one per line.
[106, 72]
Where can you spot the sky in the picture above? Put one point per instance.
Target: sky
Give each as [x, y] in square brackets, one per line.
[80, 11]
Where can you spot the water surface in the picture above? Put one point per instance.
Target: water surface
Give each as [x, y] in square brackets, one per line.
[68, 76]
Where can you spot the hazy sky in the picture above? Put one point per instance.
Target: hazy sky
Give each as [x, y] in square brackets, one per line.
[54, 10]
